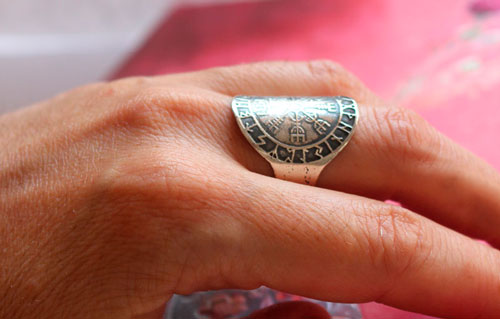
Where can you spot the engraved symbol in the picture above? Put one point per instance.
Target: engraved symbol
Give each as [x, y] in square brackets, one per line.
[332, 108]
[294, 123]
[275, 124]
[274, 153]
[244, 112]
[296, 116]
[297, 130]
[249, 127]
[318, 152]
[297, 134]
[260, 106]
[311, 116]
[319, 125]
[345, 127]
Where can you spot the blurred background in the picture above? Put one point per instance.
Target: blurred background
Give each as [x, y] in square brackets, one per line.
[441, 58]
[49, 46]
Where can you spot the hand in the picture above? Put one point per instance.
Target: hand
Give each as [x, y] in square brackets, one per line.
[117, 195]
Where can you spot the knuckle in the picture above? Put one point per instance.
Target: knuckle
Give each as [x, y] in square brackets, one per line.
[125, 84]
[222, 72]
[178, 105]
[146, 179]
[143, 200]
[127, 109]
[395, 239]
[326, 70]
[407, 135]
[131, 180]
[333, 76]
[233, 80]
[154, 108]
[145, 107]
[141, 191]
[320, 66]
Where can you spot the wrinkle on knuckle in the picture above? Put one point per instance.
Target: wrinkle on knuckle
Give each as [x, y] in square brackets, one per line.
[332, 76]
[152, 103]
[325, 67]
[134, 83]
[144, 172]
[185, 105]
[231, 80]
[141, 203]
[395, 239]
[171, 114]
[132, 111]
[158, 109]
[133, 184]
[406, 136]
[174, 188]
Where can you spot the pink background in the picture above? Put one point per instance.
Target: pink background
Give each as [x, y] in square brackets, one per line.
[441, 58]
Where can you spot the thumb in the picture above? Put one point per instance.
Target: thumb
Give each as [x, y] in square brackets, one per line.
[291, 310]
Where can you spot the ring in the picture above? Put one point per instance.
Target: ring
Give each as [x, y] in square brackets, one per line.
[297, 135]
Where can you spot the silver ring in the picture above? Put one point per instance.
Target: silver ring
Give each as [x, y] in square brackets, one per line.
[299, 136]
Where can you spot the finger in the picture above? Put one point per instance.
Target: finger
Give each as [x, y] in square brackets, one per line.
[319, 77]
[393, 155]
[338, 247]
[291, 310]
[396, 155]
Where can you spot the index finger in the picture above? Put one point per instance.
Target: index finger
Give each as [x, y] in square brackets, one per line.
[311, 78]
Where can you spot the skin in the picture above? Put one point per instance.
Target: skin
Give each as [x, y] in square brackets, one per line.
[116, 195]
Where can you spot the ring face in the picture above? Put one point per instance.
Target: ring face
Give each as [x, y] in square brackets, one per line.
[296, 130]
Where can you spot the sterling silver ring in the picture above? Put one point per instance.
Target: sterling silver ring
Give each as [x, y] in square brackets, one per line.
[299, 136]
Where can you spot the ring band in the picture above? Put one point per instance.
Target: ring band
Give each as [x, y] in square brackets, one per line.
[297, 135]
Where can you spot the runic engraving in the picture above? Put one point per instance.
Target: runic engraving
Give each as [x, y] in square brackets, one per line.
[297, 130]
[274, 153]
[249, 127]
[320, 150]
[345, 127]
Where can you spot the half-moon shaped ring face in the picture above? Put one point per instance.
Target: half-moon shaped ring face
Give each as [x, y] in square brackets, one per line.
[296, 130]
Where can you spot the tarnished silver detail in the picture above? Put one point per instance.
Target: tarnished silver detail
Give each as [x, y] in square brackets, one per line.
[297, 135]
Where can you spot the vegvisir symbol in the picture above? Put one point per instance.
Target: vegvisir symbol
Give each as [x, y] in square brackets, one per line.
[297, 133]
[295, 129]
